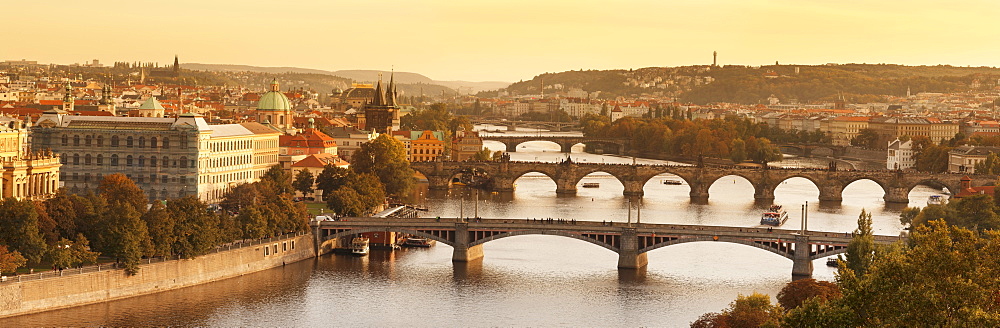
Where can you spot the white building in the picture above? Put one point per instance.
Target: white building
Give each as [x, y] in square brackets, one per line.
[900, 156]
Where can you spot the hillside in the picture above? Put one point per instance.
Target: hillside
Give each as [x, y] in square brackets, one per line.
[748, 85]
[362, 76]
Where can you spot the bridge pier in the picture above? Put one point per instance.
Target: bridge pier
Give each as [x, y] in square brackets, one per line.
[763, 193]
[831, 193]
[502, 184]
[802, 266]
[699, 191]
[463, 252]
[565, 187]
[438, 182]
[897, 195]
[566, 147]
[633, 188]
[628, 255]
[511, 147]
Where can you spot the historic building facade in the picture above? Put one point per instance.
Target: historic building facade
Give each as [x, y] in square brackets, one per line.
[25, 173]
[275, 109]
[166, 157]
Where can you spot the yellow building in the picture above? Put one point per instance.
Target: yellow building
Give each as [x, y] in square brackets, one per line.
[892, 128]
[844, 128]
[25, 174]
[426, 145]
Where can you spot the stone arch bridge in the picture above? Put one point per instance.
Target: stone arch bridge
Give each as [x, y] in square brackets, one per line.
[630, 241]
[567, 175]
[566, 143]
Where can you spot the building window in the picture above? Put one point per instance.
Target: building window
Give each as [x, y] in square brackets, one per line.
[142, 142]
[184, 162]
[142, 161]
[114, 160]
[100, 141]
[166, 143]
[87, 160]
[152, 142]
[114, 141]
[128, 142]
[166, 161]
[88, 140]
[65, 140]
[128, 160]
[100, 159]
[76, 159]
[163, 179]
[152, 161]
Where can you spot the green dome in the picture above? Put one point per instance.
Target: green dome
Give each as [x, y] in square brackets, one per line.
[274, 100]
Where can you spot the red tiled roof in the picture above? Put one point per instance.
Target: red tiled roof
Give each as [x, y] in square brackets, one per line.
[321, 160]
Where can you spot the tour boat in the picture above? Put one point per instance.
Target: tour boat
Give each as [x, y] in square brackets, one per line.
[775, 216]
[936, 200]
[359, 246]
[672, 182]
[591, 185]
[832, 262]
[418, 242]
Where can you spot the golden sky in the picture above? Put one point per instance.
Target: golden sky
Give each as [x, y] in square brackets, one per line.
[503, 40]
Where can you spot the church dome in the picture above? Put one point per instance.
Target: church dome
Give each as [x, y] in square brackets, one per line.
[274, 99]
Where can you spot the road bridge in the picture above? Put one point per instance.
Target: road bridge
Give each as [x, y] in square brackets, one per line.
[567, 175]
[512, 125]
[566, 143]
[630, 241]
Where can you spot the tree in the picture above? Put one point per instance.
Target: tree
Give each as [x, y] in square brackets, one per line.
[908, 215]
[282, 180]
[61, 209]
[46, 225]
[196, 230]
[861, 248]
[754, 310]
[483, 155]
[19, 229]
[303, 182]
[119, 188]
[738, 151]
[386, 158]
[10, 260]
[331, 178]
[989, 166]
[866, 138]
[161, 226]
[798, 291]
[67, 253]
[358, 197]
[126, 237]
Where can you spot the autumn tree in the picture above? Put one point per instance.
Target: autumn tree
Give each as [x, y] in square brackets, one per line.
[67, 253]
[866, 138]
[331, 178]
[119, 188]
[10, 260]
[738, 151]
[161, 226]
[386, 158]
[798, 291]
[861, 248]
[61, 209]
[281, 179]
[125, 236]
[357, 197]
[196, 230]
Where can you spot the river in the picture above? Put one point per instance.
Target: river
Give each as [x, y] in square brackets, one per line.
[523, 280]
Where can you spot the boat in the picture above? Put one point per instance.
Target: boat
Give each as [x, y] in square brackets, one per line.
[359, 246]
[936, 200]
[672, 182]
[591, 185]
[775, 216]
[832, 262]
[418, 242]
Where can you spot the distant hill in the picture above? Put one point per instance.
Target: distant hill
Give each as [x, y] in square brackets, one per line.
[749, 85]
[356, 75]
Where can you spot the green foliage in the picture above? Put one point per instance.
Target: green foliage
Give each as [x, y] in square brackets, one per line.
[161, 226]
[932, 158]
[861, 248]
[196, 230]
[989, 166]
[125, 236]
[279, 178]
[738, 151]
[818, 313]
[10, 260]
[866, 138]
[385, 157]
[46, 225]
[359, 195]
[976, 212]
[550, 116]
[331, 178]
[303, 182]
[907, 215]
[19, 229]
[61, 209]
[66, 253]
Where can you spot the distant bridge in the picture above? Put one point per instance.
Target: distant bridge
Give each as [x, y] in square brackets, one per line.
[630, 241]
[566, 143]
[807, 149]
[567, 176]
[511, 125]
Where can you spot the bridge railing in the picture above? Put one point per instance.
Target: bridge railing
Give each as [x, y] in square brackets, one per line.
[150, 260]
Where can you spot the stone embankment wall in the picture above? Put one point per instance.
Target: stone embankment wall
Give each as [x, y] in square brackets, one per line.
[39, 295]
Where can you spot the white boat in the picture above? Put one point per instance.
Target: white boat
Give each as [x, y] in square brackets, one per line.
[359, 246]
[672, 182]
[418, 242]
[774, 216]
[591, 185]
[936, 200]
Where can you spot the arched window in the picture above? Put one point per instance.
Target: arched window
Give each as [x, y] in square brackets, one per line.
[152, 161]
[166, 143]
[142, 161]
[114, 141]
[76, 140]
[65, 140]
[100, 159]
[114, 160]
[152, 142]
[128, 142]
[184, 142]
[142, 142]
[128, 160]
[166, 161]
[87, 160]
[76, 159]
[88, 140]
[184, 162]
[100, 141]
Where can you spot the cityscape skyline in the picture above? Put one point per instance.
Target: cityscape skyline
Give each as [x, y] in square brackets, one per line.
[490, 41]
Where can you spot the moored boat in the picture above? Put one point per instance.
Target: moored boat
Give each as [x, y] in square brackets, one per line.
[359, 246]
[418, 242]
[774, 216]
[832, 262]
[672, 182]
[936, 200]
[591, 185]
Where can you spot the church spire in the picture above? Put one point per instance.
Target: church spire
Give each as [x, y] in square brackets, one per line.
[379, 98]
[274, 85]
[390, 93]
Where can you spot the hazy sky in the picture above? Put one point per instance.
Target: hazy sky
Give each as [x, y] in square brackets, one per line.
[505, 40]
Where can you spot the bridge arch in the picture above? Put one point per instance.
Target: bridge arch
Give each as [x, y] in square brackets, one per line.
[386, 229]
[846, 183]
[713, 181]
[933, 183]
[829, 252]
[785, 252]
[544, 232]
[575, 180]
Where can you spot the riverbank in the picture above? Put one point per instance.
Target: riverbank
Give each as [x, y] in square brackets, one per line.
[74, 287]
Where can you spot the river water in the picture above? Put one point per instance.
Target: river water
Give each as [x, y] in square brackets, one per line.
[523, 280]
